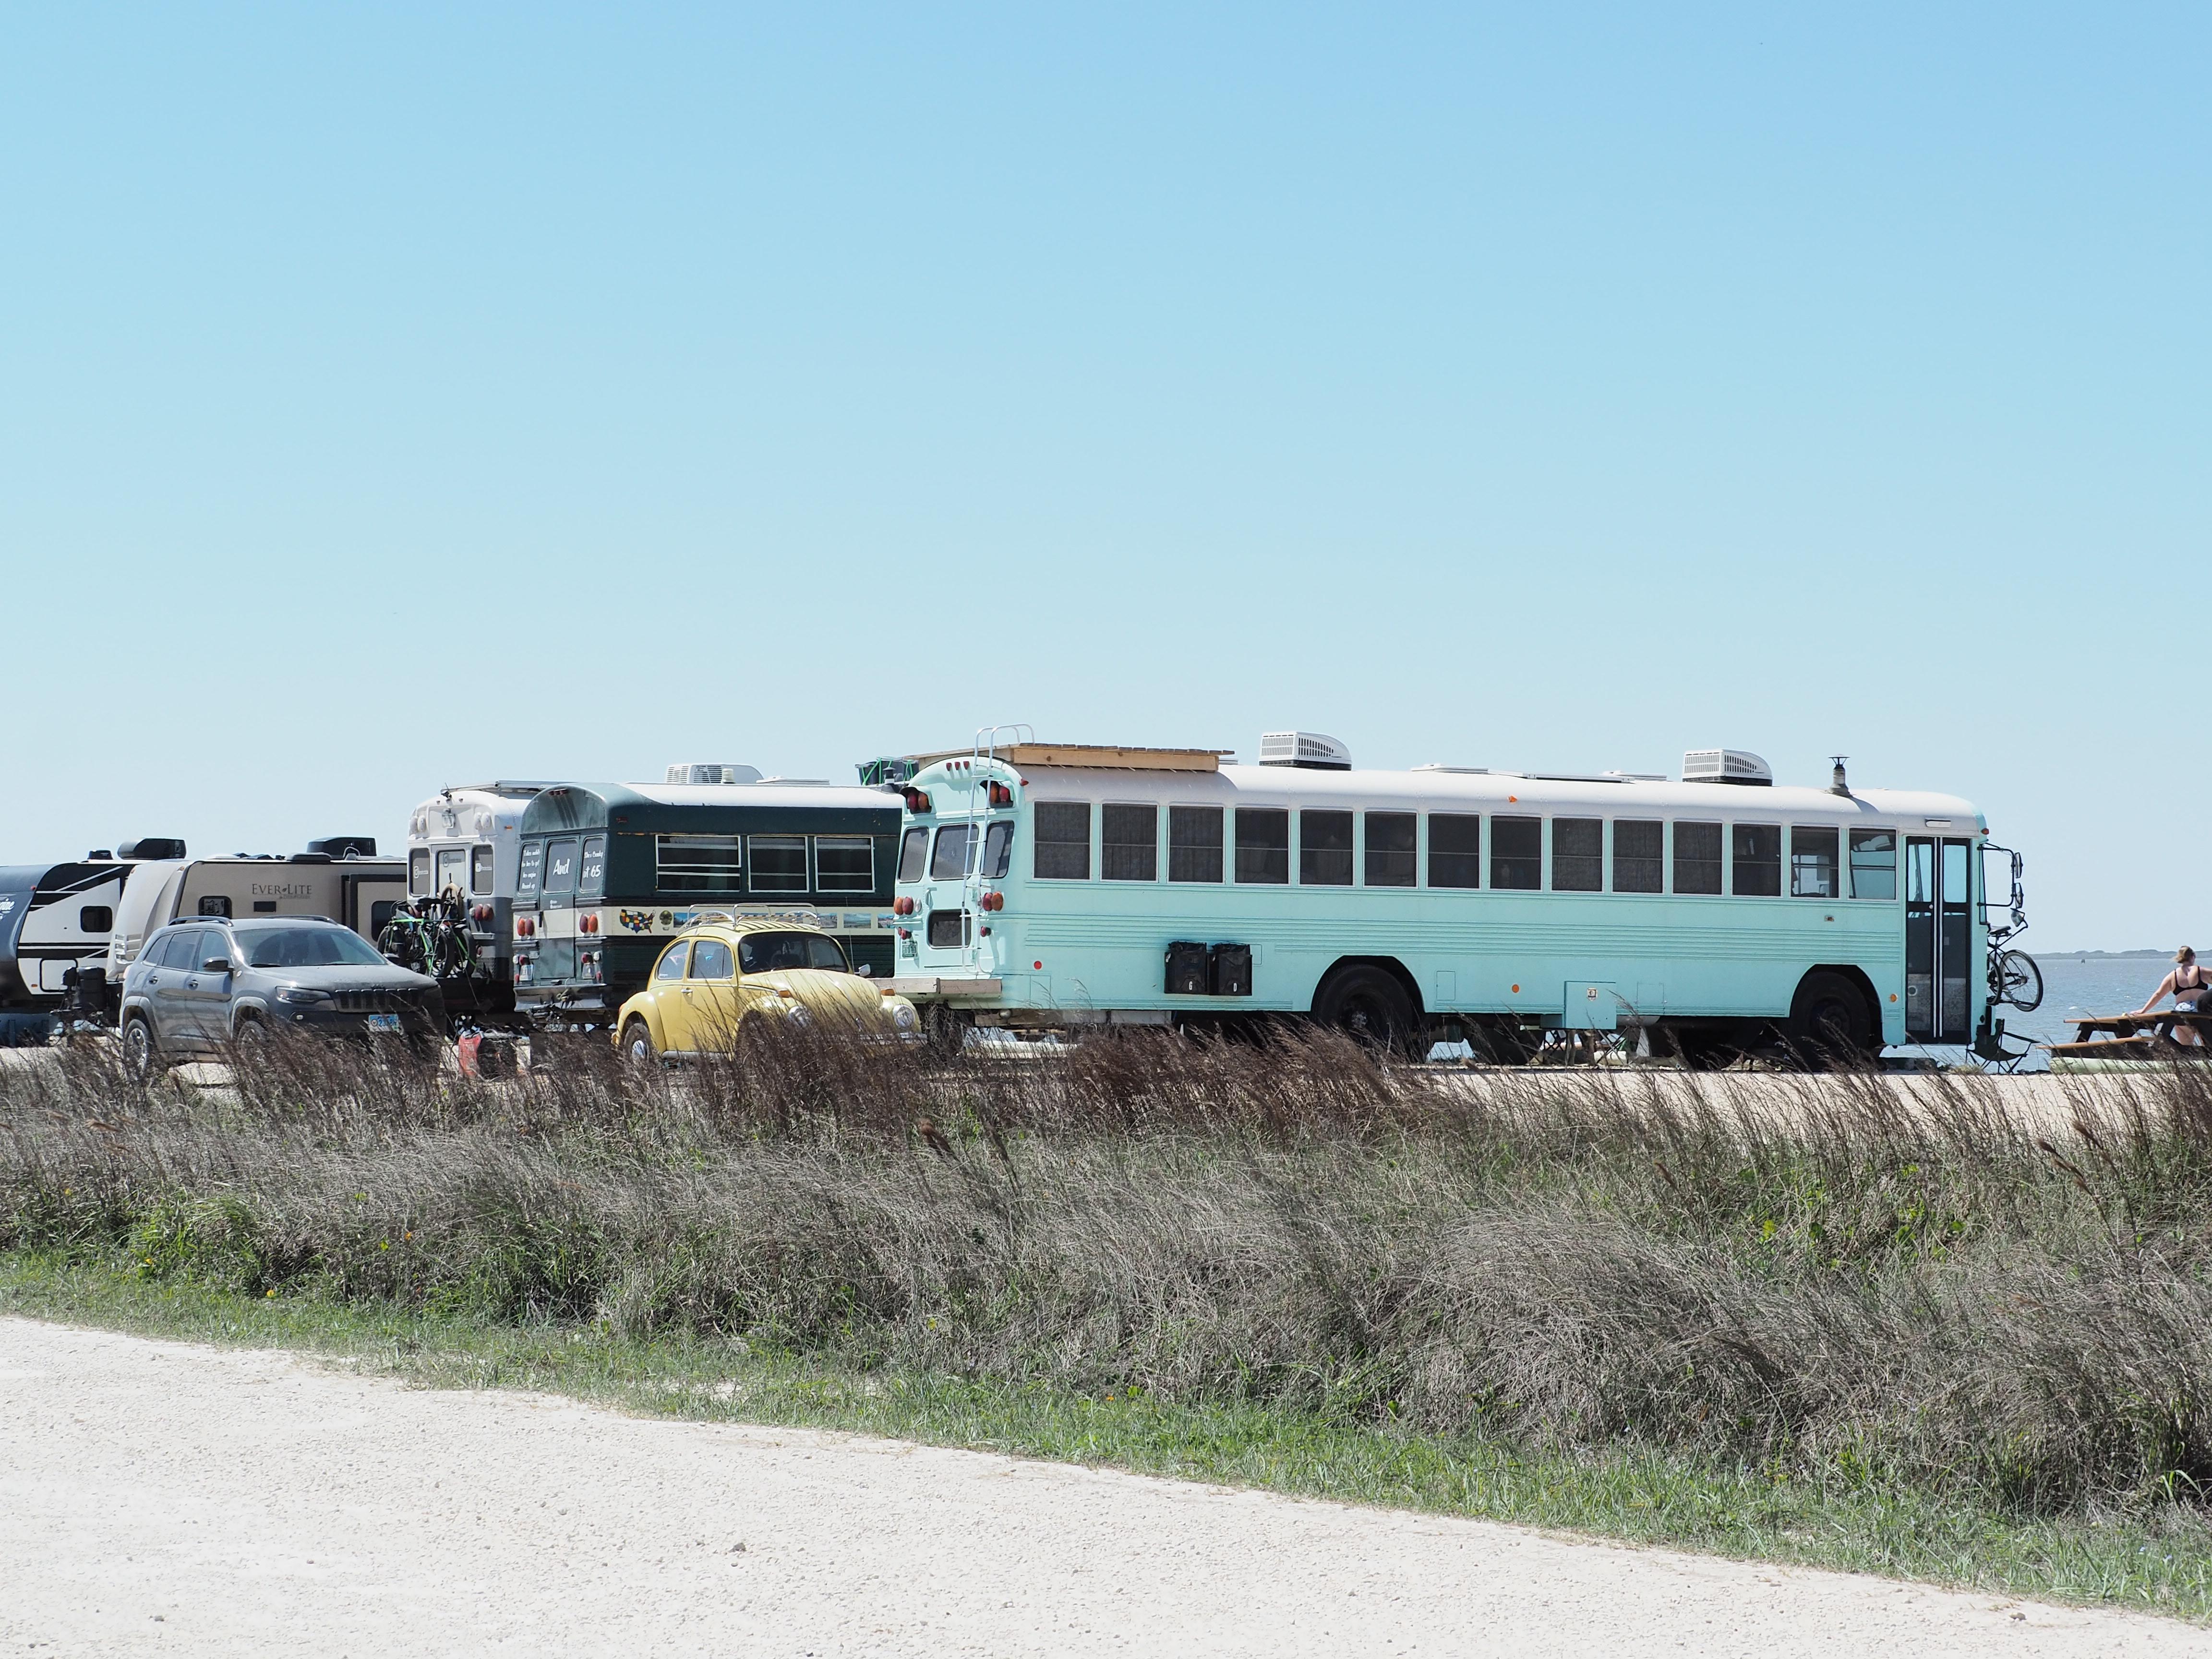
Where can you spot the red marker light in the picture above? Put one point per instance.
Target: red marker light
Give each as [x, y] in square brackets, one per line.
[902, 906]
[1040, 965]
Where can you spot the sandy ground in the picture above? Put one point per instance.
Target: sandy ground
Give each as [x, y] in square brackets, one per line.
[160, 1498]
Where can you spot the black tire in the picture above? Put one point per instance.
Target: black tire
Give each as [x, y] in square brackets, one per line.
[2019, 982]
[948, 1029]
[1699, 1047]
[637, 1044]
[251, 1034]
[1831, 1027]
[142, 1058]
[1503, 1041]
[1369, 1005]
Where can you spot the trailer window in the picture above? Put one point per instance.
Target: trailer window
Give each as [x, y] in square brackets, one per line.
[1812, 862]
[779, 863]
[1639, 855]
[913, 847]
[1874, 864]
[418, 870]
[1063, 840]
[480, 870]
[1129, 843]
[700, 864]
[96, 919]
[1517, 853]
[1193, 843]
[1577, 855]
[710, 959]
[1697, 857]
[1390, 849]
[845, 864]
[1324, 849]
[1263, 844]
[1757, 860]
[593, 881]
[998, 851]
[954, 842]
[561, 858]
[1454, 849]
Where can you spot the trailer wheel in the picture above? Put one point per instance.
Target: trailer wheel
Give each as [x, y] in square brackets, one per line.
[1369, 1005]
[140, 1057]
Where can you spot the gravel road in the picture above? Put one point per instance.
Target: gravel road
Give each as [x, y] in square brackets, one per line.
[160, 1498]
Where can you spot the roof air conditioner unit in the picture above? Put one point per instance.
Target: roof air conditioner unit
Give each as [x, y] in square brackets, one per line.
[1725, 766]
[712, 772]
[1307, 749]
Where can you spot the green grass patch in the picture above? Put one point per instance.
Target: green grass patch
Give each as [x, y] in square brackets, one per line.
[1834, 1520]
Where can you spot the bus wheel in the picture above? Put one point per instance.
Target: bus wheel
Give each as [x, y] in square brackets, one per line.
[1829, 1026]
[1700, 1049]
[637, 1044]
[947, 1029]
[1369, 1005]
[1502, 1042]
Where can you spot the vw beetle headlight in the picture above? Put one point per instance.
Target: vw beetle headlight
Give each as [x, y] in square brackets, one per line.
[902, 1016]
[798, 1013]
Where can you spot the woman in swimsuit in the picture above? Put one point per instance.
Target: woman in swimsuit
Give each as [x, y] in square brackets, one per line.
[2187, 986]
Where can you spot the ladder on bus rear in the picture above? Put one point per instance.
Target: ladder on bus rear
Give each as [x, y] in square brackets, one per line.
[984, 751]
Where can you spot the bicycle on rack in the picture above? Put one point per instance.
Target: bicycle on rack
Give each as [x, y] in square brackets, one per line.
[2016, 981]
[431, 936]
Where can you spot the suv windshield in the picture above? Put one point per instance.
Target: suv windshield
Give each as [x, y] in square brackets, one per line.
[770, 953]
[306, 947]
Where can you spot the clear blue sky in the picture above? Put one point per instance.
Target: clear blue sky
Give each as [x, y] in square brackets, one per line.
[396, 396]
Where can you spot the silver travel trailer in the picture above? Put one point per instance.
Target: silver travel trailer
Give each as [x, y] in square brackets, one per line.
[55, 921]
[340, 879]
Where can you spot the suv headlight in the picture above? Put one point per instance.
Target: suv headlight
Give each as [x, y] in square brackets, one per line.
[301, 994]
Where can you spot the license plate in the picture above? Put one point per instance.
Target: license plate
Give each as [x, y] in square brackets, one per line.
[384, 1021]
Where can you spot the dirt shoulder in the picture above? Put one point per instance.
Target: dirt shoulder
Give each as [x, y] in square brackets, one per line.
[160, 1497]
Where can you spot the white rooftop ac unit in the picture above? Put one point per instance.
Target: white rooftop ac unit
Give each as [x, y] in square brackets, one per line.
[712, 772]
[1307, 749]
[1725, 766]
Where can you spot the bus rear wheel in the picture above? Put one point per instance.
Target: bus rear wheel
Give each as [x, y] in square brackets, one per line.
[1369, 1005]
[1830, 1026]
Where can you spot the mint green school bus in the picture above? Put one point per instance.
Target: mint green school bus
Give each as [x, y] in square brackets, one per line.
[1052, 886]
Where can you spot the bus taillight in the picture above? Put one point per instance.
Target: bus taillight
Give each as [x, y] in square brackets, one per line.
[917, 801]
[1001, 796]
[903, 905]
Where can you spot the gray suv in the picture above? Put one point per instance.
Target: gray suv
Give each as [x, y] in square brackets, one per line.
[206, 982]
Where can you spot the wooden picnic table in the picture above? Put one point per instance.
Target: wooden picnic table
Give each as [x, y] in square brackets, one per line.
[2137, 1034]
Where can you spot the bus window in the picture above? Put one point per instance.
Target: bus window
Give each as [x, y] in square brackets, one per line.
[1757, 860]
[1697, 857]
[1063, 840]
[452, 865]
[593, 881]
[1812, 862]
[846, 864]
[700, 864]
[1325, 850]
[998, 850]
[1129, 843]
[1193, 843]
[1639, 855]
[1454, 849]
[561, 866]
[1577, 855]
[418, 870]
[913, 847]
[1390, 849]
[480, 870]
[954, 842]
[1517, 853]
[1874, 864]
[526, 878]
[779, 863]
[1263, 844]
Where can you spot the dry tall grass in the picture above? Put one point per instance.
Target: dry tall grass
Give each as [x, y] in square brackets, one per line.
[1938, 1295]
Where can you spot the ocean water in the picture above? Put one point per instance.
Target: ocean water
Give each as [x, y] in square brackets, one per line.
[2074, 985]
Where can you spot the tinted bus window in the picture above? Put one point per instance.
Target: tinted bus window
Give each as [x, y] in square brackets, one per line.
[1325, 850]
[561, 858]
[1516, 852]
[1757, 860]
[453, 866]
[1639, 856]
[1263, 844]
[779, 863]
[845, 864]
[1390, 849]
[1697, 857]
[533, 861]
[1129, 843]
[480, 870]
[1193, 843]
[699, 864]
[1874, 864]
[1454, 849]
[1063, 840]
[593, 880]
[913, 847]
[998, 850]
[1577, 855]
[953, 842]
[1813, 863]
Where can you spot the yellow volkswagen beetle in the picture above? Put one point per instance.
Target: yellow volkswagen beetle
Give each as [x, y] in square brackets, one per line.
[722, 978]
